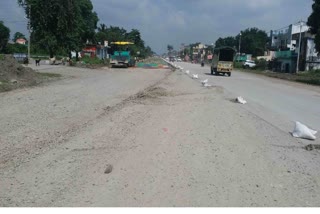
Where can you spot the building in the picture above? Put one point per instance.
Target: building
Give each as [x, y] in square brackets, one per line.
[100, 51]
[287, 44]
[21, 41]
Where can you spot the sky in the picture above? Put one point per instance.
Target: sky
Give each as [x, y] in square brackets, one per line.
[164, 22]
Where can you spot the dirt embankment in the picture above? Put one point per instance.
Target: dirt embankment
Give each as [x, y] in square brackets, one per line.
[14, 75]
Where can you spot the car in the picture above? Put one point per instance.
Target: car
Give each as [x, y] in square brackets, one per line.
[179, 59]
[249, 64]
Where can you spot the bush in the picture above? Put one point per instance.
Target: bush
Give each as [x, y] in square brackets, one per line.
[262, 64]
[238, 64]
[92, 60]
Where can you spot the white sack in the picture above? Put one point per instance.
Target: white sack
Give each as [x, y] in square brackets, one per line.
[241, 100]
[204, 82]
[195, 76]
[302, 131]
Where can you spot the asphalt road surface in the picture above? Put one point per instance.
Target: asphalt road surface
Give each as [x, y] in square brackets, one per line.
[137, 137]
[290, 101]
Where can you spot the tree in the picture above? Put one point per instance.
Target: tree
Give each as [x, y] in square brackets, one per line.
[170, 49]
[18, 35]
[253, 41]
[113, 34]
[4, 36]
[61, 24]
[314, 23]
[228, 41]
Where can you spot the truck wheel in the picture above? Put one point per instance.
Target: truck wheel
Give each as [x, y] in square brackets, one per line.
[229, 74]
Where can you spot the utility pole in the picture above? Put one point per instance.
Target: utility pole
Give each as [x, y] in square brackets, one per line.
[29, 28]
[298, 59]
[240, 44]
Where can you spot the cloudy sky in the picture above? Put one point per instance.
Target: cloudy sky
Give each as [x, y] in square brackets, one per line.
[163, 22]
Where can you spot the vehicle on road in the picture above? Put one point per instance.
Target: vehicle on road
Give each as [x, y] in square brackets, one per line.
[172, 59]
[223, 61]
[120, 57]
[249, 64]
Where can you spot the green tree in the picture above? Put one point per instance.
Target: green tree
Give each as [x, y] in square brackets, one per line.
[228, 41]
[314, 23]
[60, 24]
[4, 36]
[253, 41]
[113, 34]
[170, 49]
[18, 35]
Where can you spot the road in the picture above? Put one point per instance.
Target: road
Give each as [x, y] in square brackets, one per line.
[290, 101]
[170, 141]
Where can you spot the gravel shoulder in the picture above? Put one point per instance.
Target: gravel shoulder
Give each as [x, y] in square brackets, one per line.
[170, 141]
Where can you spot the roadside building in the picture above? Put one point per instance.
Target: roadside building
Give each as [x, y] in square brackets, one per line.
[21, 41]
[287, 45]
[100, 51]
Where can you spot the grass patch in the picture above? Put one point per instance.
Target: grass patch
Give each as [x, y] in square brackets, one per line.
[92, 60]
[1, 57]
[4, 86]
[311, 77]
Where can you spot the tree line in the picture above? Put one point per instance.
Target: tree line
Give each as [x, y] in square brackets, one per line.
[256, 41]
[62, 26]
[251, 40]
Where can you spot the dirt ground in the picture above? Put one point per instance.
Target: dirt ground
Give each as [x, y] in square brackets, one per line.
[137, 137]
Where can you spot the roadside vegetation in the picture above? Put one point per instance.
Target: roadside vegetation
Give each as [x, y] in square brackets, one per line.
[308, 77]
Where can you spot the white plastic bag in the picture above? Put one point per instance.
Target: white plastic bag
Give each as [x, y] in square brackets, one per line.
[195, 76]
[204, 82]
[302, 131]
[241, 100]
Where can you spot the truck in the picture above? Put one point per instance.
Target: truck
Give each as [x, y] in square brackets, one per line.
[121, 56]
[223, 61]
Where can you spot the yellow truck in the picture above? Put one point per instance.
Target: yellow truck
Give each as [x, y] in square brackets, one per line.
[223, 61]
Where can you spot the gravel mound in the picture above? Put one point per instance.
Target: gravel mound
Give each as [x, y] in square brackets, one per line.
[13, 75]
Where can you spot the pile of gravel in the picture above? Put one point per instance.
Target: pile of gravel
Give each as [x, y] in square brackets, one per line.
[14, 75]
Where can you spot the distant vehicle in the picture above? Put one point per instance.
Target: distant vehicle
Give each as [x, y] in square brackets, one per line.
[172, 59]
[121, 58]
[249, 64]
[20, 57]
[223, 62]
[179, 59]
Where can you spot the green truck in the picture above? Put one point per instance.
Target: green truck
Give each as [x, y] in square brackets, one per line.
[223, 61]
[122, 59]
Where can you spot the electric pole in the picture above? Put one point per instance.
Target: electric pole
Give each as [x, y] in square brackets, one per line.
[29, 28]
[298, 59]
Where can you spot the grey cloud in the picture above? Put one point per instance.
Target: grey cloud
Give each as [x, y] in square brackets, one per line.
[163, 22]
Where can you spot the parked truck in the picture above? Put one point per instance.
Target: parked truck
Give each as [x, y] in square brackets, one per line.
[223, 61]
[121, 56]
